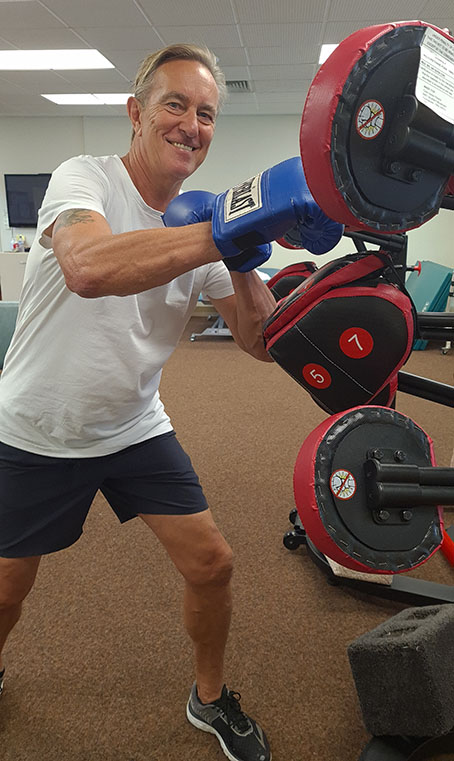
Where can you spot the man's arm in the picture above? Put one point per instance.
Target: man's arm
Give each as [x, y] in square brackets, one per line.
[246, 311]
[95, 262]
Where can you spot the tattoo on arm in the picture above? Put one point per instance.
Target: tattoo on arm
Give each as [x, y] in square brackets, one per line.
[72, 217]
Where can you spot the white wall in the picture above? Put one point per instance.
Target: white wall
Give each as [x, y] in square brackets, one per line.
[243, 146]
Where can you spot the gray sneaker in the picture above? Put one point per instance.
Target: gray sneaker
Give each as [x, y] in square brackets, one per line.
[241, 738]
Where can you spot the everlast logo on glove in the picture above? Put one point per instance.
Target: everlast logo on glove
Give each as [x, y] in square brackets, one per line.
[242, 199]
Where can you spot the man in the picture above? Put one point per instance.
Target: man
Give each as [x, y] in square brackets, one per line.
[107, 293]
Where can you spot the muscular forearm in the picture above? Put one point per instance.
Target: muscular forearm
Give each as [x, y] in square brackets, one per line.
[133, 262]
[254, 303]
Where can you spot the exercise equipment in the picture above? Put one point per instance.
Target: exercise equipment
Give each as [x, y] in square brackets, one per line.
[381, 156]
[286, 280]
[450, 308]
[377, 145]
[344, 332]
[8, 317]
[368, 492]
[362, 576]
[362, 572]
[408, 706]
[429, 290]
[342, 356]
[389, 583]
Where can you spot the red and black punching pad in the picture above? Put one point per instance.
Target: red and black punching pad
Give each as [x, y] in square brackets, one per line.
[344, 333]
[287, 279]
[375, 157]
[330, 488]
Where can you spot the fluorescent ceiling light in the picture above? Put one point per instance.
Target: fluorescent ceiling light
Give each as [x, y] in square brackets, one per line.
[113, 98]
[28, 60]
[326, 51]
[88, 99]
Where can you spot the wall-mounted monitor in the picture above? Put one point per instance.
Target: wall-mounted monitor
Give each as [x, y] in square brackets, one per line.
[24, 196]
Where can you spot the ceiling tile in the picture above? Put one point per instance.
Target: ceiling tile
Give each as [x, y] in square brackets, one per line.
[277, 85]
[281, 72]
[283, 35]
[126, 38]
[221, 35]
[5, 45]
[438, 8]
[32, 14]
[269, 11]
[42, 39]
[231, 56]
[273, 45]
[9, 88]
[35, 81]
[442, 23]
[127, 62]
[282, 55]
[97, 12]
[103, 78]
[33, 100]
[384, 11]
[203, 12]
[241, 97]
[236, 72]
[336, 31]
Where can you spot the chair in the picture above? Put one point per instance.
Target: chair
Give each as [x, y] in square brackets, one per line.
[8, 316]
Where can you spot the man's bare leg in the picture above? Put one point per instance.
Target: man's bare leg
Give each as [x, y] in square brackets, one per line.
[17, 576]
[204, 558]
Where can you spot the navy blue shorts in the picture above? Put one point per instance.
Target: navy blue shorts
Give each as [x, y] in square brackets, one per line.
[44, 501]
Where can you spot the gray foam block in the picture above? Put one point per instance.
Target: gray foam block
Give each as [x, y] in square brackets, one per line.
[404, 673]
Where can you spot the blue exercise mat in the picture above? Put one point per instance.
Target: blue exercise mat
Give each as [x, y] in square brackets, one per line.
[429, 291]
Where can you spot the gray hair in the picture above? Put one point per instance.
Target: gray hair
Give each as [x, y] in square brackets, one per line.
[180, 52]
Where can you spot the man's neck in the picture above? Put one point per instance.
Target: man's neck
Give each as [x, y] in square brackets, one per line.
[156, 194]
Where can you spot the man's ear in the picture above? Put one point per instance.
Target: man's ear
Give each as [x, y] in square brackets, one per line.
[135, 114]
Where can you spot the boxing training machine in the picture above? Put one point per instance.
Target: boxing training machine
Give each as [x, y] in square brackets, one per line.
[366, 485]
[382, 165]
[398, 487]
[382, 462]
[367, 489]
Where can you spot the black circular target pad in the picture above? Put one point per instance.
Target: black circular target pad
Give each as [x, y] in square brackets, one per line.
[355, 126]
[331, 499]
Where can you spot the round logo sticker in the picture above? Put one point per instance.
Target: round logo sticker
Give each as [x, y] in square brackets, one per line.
[370, 119]
[343, 484]
[316, 375]
[356, 343]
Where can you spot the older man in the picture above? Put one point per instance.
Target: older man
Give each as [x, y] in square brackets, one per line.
[79, 394]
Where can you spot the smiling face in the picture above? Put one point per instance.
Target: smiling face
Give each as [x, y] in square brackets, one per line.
[175, 126]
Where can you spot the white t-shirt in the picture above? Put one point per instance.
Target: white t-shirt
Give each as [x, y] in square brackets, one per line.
[81, 376]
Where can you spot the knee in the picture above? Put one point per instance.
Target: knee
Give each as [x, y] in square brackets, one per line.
[14, 585]
[10, 598]
[213, 568]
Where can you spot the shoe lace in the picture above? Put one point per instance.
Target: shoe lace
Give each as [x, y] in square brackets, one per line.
[235, 716]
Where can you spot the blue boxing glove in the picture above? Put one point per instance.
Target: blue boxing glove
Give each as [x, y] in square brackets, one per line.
[269, 206]
[189, 208]
[197, 206]
[318, 234]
